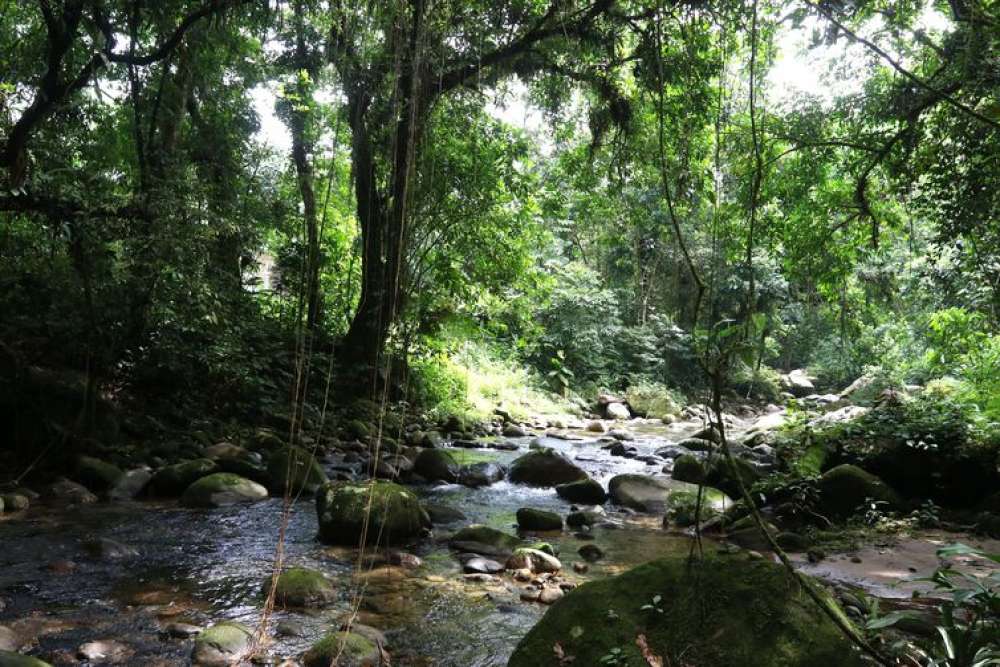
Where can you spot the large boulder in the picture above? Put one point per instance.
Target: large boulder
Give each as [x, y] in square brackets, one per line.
[15, 502]
[222, 488]
[798, 383]
[130, 484]
[639, 492]
[297, 470]
[64, 492]
[715, 612]
[436, 465]
[544, 467]
[531, 519]
[221, 645]
[95, 474]
[845, 488]
[480, 474]
[394, 515]
[302, 587]
[688, 468]
[173, 480]
[721, 476]
[344, 649]
[585, 491]
[617, 411]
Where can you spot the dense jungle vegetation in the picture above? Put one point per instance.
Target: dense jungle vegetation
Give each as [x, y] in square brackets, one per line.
[291, 240]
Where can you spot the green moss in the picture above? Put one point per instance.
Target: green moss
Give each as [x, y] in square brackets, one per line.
[467, 457]
[358, 429]
[297, 469]
[529, 518]
[687, 468]
[717, 612]
[173, 480]
[97, 475]
[485, 535]
[845, 488]
[222, 488]
[347, 648]
[221, 641]
[302, 587]
[11, 659]
[394, 513]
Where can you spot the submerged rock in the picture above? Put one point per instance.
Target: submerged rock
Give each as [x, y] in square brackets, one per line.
[484, 540]
[586, 491]
[220, 489]
[302, 587]
[395, 515]
[104, 651]
[529, 518]
[221, 645]
[717, 612]
[544, 467]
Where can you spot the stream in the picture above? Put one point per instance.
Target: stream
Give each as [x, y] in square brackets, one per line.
[202, 566]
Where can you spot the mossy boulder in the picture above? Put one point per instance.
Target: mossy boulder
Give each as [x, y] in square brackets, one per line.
[296, 469]
[544, 467]
[173, 480]
[395, 515]
[14, 502]
[717, 612]
[95, 474]
[12, 659]
[529, 518]
[220, 489]
[358, 429]
[345, 649]
[585, 491]
[302, 587]
[845, 488]
[722, 477]
[221, 645]
[437, 465]
[484, 540]
[688, 468]
[639, 492]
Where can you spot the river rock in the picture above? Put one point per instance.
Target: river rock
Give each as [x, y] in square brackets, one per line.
[484, 540]
[443, 514]
[396, 516]
[181, 630]
[596, 426]
[798, 383]
[14, 502]
[437, 465]
[533, 559]
[220, 489]
[580, 519]
[104, 652]
[710, 433]
[344, 649]
[591, 552]
[8, 640]
[64, 492]
[549, 594]
[688, 468]
[95, 474]
[585, 491]
[302, 587]
[621, 434]
[12, 659]
[544, 467]
[221, 645]
[753, 618]
[480, 565]
[131, 484]
[638, 492]
[103, 548]
[529, 518]
[481, 474]
[173, 480]
[297, 470]
[696, 444]
[845, 488]
[514, 431]
[617, 411]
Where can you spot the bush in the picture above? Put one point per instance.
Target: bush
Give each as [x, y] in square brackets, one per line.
[763, 383]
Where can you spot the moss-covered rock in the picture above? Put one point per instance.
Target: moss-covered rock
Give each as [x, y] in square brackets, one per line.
[717, 612]
[12, 659]
[302, 587]
[544, 467]
[357, 429]
[345, 649]
[95, 474]
[220, 489]
[529, 518]
[722, 477]
[221, 644]
[688, 468]
[639, 492]
[484, 540]
[845, 488]
[173, 480]
[585, 491]
[394, 513]
[296, 469]
[14, 502]
[437, 465]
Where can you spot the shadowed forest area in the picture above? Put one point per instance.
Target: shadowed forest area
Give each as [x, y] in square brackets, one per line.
[528, 332]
